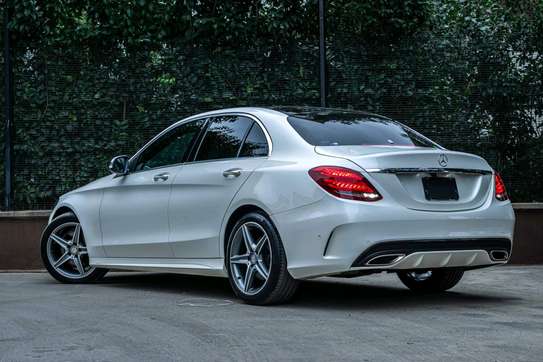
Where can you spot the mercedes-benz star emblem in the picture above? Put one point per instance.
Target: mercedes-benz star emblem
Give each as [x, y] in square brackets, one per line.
[443, 160]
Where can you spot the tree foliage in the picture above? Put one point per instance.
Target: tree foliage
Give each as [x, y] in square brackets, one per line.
[98, 78]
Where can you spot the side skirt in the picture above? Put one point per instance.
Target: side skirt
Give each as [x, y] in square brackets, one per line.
[209, 267]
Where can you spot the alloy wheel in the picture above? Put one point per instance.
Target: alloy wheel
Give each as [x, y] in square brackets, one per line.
[67, 251]
[250, 258]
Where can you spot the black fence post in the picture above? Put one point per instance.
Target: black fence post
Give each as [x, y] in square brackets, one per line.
[8, 109]
[322, 52]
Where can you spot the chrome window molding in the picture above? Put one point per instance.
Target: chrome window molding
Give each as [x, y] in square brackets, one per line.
[135, 157]
[198, 118]
[226, 114]
[221, 114]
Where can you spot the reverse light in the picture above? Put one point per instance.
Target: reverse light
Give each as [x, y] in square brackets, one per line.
[344, 183]
[499, 187]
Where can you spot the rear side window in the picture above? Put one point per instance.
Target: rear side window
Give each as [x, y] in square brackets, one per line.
[344, 129]
[255, 144]
[223, 138]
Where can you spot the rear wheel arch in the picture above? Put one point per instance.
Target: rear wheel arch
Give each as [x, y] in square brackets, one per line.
[279, 286]
[236, 215]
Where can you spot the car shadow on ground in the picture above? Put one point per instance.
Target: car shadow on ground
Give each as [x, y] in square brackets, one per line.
[316, 294]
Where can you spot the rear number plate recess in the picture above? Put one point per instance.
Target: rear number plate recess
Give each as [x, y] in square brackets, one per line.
[440, 188]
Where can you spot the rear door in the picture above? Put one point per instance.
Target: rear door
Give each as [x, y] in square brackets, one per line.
[134, 211]
[231, 148]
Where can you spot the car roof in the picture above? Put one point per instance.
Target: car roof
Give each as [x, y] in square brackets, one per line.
[307, 112]
[313, 113]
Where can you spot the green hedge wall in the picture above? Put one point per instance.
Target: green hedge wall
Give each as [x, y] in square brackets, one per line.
[97, 79]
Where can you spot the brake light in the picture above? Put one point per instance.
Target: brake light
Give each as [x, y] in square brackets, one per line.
[344, 183]
[499, 187]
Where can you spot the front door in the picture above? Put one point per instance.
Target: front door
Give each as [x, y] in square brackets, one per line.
[134, 210]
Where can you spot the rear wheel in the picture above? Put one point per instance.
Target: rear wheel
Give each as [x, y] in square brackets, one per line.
[257, 263]
[430, 281]
[64, 252]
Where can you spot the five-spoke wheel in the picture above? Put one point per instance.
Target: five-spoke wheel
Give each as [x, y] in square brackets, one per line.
[256, 261]
[67, 251]
[64, 251]
[250, 257]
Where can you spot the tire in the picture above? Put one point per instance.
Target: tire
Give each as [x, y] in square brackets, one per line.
[439, 280]
[266, 254]
[59, 244]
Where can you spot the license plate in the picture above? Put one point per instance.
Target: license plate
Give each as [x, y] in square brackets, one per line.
[440, 188]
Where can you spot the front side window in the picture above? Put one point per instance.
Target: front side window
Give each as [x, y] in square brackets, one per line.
[223, 138]
[348, 129]
[171, 148]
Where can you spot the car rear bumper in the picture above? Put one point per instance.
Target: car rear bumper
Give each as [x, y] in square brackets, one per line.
[333, 236]
[466, 259]
[396, 254]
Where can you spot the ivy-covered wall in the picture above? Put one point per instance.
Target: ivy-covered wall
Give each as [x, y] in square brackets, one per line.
[98, 78]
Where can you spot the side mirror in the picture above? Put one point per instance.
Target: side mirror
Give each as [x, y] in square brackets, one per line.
[119, 165]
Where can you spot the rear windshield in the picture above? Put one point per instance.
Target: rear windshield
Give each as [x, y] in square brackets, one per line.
[355, 129]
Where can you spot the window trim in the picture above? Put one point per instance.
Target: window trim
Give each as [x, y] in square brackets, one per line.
[195, 147]
[226, 114]
[245, 139]
[199, 139]
[132, 162]
[208, 124]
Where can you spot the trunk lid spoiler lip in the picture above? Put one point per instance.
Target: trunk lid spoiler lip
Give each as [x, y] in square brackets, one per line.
[397, 170]
[360, 154]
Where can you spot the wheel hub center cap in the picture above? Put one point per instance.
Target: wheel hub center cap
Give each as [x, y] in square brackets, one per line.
[252, 258]
[73, 250]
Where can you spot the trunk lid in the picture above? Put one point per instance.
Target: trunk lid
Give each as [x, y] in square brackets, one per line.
[409, 175]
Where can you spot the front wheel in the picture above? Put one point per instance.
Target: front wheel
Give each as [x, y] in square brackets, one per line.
[64, 252]
[430, 281]
[257, 263]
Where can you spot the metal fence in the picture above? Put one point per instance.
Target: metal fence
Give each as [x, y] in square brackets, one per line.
[75, 110]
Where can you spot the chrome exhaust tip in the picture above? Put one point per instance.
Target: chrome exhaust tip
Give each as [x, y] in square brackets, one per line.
[386, 259]
[499, 255]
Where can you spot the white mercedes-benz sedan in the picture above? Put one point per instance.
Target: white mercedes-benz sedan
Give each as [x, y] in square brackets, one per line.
[267, 197]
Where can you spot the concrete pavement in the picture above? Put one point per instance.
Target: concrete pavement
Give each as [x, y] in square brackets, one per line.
[492, 315]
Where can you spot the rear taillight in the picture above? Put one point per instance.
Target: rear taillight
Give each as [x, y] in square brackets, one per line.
[499, 187]
[344, 183]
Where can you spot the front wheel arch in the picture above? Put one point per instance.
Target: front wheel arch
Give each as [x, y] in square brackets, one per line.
[65, 254]
[61, 211]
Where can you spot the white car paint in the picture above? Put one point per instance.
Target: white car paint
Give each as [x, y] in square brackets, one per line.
[179, 224]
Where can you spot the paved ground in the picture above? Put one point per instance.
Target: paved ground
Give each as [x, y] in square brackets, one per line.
[493, 315]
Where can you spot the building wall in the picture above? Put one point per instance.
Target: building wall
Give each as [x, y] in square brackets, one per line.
[20, 233]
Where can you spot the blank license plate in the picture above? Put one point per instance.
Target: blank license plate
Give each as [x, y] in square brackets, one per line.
[440, 188]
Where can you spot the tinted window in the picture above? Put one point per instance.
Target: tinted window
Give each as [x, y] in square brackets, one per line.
[343, 129]
[171, 148]
[223, 138]
[255, 144]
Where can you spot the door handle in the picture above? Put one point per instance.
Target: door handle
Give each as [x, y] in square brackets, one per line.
[233, 172]
[161, 177]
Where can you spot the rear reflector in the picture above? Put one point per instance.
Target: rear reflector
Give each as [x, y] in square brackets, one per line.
[499, 187]
[344, 183]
